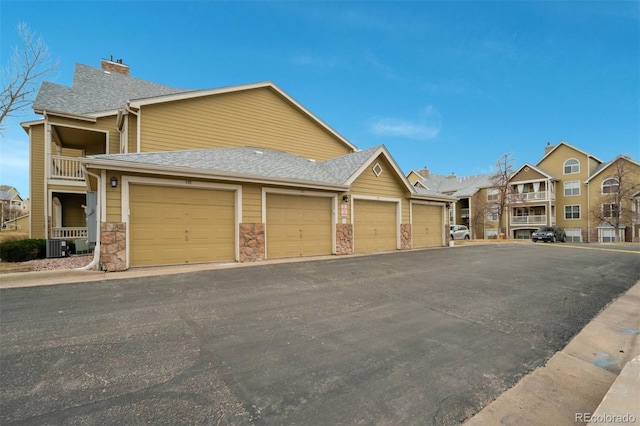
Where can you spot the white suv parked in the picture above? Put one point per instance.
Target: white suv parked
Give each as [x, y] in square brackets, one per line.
[459, 232]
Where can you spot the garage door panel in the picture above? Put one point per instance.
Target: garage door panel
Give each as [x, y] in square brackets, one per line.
[298, 225]
[375, 226]
[427, 227]
[174, 225]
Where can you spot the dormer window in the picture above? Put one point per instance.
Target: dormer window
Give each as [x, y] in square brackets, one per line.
[571, 166]
[610, 186]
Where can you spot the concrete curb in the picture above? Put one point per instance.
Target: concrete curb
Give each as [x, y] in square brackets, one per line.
[622, 403]
[574, 382]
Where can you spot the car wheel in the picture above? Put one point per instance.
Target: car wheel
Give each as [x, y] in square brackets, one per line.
[466, 237]
[452, 237]
[554, 239]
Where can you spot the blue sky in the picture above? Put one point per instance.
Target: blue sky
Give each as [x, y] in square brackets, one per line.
[445, 84]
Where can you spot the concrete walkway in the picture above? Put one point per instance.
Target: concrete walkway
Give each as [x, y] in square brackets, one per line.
[572, 385]
[570, 389]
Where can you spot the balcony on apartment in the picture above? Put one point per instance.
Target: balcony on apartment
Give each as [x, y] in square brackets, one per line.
[533, 192]
[533, 216]
[66, 169]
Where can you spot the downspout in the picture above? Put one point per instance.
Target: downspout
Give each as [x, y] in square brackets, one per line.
[96, 251]
[137, 115]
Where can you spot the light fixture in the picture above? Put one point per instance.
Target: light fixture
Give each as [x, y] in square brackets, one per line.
[114, 182]
[345, 198]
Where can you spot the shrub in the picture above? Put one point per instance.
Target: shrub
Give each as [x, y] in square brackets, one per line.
[23, 250]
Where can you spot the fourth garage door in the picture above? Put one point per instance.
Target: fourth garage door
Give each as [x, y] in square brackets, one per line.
[298, 226]
[175, 225]
[375, 226]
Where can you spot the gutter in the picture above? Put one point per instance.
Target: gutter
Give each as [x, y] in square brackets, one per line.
[95, 262]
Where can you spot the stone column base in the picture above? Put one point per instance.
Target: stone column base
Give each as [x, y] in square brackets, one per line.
[113, 246]
[405, 236]
[251, 242]
[344, 238]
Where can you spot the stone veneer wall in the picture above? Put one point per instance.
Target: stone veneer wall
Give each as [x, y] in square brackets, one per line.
[113, 246]
[344, 238]
[251, 242]
[405, 236]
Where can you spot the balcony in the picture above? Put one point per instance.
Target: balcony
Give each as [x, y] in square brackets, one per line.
[527, 197]
[529, 220]
[464, 213]
[66, 168]
[69, 233]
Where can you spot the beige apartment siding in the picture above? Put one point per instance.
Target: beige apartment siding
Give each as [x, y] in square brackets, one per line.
[258, 117]
[36, 176]
[114, 199]
[387, 185]
[632, 176]
[414, 177]
[527, 175]
[251, 203]
[132, 133]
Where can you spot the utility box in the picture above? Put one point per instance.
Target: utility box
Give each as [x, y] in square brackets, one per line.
[57, 248]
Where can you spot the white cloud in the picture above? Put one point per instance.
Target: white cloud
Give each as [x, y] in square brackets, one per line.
[426, 126]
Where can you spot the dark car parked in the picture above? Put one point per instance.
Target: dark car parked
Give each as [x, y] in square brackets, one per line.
[549, 233]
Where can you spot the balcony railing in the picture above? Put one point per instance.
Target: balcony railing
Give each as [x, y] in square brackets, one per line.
[529, 220]
[68, 233]
[464, 213]
[66, 168]
[526, 197]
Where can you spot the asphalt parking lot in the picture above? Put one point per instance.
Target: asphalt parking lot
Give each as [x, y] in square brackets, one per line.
[419, 337]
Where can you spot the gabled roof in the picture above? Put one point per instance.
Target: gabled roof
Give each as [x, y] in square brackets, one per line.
[94, 90]
[458, 187]
[8, 193]
[542, 172]
[570, 146]
[255, 165]
[603, 166]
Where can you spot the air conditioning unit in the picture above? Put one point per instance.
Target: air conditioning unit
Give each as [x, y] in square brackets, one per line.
[57, 248]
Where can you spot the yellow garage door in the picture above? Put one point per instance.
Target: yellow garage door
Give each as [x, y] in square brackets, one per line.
[298, 226]
[427, 226]
[375, 226]
[171, 225]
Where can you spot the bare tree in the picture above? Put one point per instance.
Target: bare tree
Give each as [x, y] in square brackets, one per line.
[620, 186]
[500, 183]
[21, 77]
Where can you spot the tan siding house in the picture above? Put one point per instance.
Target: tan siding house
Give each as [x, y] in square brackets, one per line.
[242, 173]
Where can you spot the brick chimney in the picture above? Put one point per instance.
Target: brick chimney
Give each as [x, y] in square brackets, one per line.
[111, 65]
[424, 172]
[548, 148]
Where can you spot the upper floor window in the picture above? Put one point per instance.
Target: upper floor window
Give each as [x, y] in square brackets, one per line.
[572, 187]
[571, 166]
[492, 194]
[572, 212]
[610, 186]
[610, 210]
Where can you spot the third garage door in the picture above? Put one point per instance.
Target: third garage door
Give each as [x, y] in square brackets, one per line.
[375, 226]
[298, 226]
[427, 227]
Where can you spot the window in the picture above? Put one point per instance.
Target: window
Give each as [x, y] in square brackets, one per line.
[572, 212]
[574, 235]
[492, 215]
[610, 186]
[571, 166]
[572, 187]
[609, 210]
[492, 194]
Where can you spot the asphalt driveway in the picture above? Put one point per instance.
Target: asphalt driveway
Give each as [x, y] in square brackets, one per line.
[420, 337]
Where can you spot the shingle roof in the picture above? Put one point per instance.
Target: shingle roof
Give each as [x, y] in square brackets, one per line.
[459, 186]
[95, 90]
[249, 161]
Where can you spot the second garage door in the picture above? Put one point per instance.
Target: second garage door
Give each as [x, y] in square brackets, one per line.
[427, 227]
[375, 226]
[171, 225]
[298, 226]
